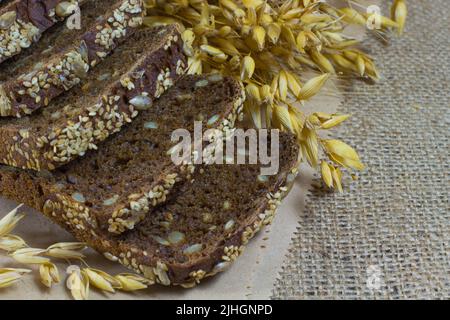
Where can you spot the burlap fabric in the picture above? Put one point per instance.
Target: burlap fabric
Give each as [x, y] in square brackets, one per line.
[389, 235]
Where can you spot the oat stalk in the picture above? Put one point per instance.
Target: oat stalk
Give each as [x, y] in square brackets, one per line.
[270, 47]
[79, 280]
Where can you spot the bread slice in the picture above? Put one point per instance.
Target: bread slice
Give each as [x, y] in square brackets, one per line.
[23, 22]
[63, 56]
[133, 76]
[200, 230]
[113, 188]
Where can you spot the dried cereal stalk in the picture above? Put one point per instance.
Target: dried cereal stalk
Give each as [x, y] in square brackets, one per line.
[9, 276]
[133, 282]
[102, 280]
[78, 281]
[9, 222]
[49, 274]
[268, 46]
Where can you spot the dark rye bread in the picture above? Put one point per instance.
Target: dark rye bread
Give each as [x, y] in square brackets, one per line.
[113, 188]
[136, 73]
[63, 56]
[201, 229]
[23, 22]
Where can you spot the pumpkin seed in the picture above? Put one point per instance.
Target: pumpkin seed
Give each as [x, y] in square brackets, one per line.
[7, 19]
[291, 177]
[78, 197]
[150, 125]
[201, 83]
[111, 201]
[262, 178]
[229, 225]
[216, 77]
[176, 237]
[222, 266]
[193, 248]
[213, 119]
[141, 102]
[162, 241]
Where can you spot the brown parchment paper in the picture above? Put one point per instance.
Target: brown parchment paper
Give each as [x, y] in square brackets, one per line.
[251, 277]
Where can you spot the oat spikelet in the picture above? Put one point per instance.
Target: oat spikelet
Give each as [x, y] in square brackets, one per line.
[340, 148]
[29, 256]
[283, 116]
[78, 246]
[342, 154]
[11, 243]
[9, 222]
[49, 274]
[77, 283]
[322, 62]
[312, 87]
[259, 35]
[66, 250]
[102, 280]
[283, 85]
[247, 68]
[132, 282]
[326, 174]
[9, 276]
[337, 176]
[64, 254]
[268, 46]
[352, 16]
[398, 14]
[334, 121]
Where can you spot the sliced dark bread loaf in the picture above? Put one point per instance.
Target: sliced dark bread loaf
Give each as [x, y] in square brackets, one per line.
[63, 56]
[23, 22]
[114, 187]
[198, 232]
[132, 77]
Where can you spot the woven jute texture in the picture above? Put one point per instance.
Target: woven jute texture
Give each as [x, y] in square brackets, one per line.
[388, 236]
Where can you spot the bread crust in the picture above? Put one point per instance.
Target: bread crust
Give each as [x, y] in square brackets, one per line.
[152, 265]
[25, 93]
[24, 147]
[23, 22]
